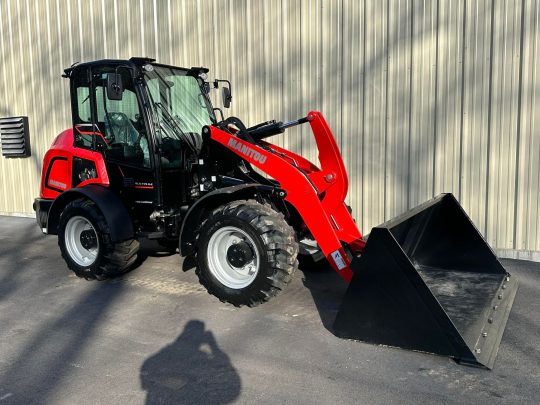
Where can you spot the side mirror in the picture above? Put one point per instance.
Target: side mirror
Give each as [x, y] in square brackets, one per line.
[114, 86]
[226, 97]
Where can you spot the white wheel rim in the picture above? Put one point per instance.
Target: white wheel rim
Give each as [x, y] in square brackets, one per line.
[80, 255]
[219, 266]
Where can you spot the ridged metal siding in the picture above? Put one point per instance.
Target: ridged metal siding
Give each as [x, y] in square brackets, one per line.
[423, 96]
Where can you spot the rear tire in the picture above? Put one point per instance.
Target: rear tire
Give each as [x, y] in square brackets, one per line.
[246, 253]
[85, 243]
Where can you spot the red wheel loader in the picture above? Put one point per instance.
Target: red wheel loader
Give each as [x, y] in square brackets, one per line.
[149, 157]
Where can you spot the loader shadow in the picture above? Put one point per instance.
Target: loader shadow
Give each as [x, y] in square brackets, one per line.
[327, 290]
[153, 248]
[191, 370]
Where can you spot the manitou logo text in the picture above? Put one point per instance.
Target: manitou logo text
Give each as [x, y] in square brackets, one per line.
[247, 151]
[57, 184]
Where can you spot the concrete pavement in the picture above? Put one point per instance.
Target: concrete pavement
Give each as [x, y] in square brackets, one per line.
[156, 336]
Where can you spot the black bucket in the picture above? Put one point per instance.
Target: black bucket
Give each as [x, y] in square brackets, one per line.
[428, 281]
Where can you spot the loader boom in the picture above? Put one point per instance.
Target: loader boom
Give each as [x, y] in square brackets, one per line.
[318, 194]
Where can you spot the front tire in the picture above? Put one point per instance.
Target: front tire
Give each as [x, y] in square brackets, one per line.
[86, 246]
[246, 253]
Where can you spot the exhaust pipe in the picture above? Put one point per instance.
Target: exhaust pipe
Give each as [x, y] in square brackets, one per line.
[428, 281]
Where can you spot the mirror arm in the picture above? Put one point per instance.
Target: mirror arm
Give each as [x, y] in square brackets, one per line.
[217, 81]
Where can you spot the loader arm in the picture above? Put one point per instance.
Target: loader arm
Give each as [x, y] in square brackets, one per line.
[318, 194]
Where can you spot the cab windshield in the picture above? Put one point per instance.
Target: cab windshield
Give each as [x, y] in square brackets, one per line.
[180, 106]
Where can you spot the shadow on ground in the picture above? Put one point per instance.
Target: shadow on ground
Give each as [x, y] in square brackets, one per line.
[151, 248]
[190, 370]
[46, 358]
[327, 290]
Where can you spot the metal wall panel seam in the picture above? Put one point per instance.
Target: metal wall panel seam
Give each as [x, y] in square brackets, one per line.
[4, 110]
[518, 126]
[32, 176]
[409, 123]
[104, 28]
[18, 165]
[50, 78]
[128, 23]
[155, 24]
[92, 30]
[116, 25]
[462, 111]
[489, 123]
[142, 28]
[60, 61]
[363, 101]
[530, 218]
[341, 85]
[81, 36]
[385, 132]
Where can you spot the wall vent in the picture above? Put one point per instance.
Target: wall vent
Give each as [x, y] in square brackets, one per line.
[14, 139]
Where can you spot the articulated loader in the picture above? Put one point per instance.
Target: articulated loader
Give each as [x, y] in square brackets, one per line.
[149, 157]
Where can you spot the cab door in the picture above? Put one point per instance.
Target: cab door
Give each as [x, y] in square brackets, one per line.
[124, 137]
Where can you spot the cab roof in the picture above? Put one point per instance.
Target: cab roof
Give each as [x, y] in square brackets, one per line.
[135, 62]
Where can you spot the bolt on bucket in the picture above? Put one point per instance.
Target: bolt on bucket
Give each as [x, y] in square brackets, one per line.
[428, 281]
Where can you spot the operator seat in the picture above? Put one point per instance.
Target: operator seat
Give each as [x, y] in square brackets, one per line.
[120, 133]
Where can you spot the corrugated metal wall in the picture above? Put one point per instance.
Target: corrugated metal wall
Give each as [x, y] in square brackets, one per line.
[423, 96]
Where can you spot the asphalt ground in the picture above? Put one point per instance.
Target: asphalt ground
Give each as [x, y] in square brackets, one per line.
[156, 336]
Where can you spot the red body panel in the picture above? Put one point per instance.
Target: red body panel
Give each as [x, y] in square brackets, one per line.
[318, 194]
[56, 174]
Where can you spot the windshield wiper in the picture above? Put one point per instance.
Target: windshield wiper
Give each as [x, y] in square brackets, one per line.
[172, 122]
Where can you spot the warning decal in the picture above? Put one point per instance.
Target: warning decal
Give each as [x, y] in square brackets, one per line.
[338, 260]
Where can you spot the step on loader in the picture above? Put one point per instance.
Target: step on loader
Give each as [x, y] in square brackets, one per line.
[148, 156]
